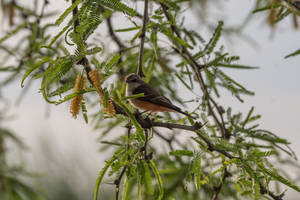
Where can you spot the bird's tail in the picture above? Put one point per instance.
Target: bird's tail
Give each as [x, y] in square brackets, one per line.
[186, 114]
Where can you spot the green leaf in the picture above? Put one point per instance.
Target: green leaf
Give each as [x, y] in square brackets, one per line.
[257, 191]
[103, 171]
[147, 178]
[113, 61]
[216, 61]
[236, 66]
[64, 88]
[128, 29]
[93, 51]
[13, 32]
[124, 197]
[133, 96]
[181, 153]
[67, 12]
[118, 6]
[297, 52]
[197, 170]
[33, 67]
[84, 111]
[278, 177]
[139, 188]
[55, 38]
[182, 81]
[268, 7]
[177, 39]
[258, 153]
[57, 70]
[215, 38]
[158, 178]
[74, 94]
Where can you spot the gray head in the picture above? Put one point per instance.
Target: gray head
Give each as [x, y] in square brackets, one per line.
[133, 78]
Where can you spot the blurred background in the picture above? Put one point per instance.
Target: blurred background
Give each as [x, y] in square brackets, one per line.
[63, 152]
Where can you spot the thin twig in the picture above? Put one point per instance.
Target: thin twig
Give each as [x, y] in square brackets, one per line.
[46, 2]
[74, 12]
[264, 190]
[167, 140]
[120, 45]
[118, 181]
[129, 127]
[145, 145]
[217, 189]
[212, 147]
[196, 126]
[142, 36]
[113, 35]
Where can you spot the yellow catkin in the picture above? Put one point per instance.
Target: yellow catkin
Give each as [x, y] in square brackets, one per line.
[110, 109]
[76, 101]
[97, 82]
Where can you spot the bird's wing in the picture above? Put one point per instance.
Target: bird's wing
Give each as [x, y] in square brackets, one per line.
[151, 95]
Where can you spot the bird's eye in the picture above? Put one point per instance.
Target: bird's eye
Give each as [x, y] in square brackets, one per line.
[133, 80]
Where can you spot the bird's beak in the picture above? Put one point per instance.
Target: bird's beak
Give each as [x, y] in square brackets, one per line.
[127, 81]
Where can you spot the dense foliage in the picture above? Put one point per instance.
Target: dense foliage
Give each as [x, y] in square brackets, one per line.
[219, 155]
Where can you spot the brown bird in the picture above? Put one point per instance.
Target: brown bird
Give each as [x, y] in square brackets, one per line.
[152, 101]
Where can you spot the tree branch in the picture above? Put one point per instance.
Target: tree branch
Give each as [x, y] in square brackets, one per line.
[121, 46]
[145, 145]
[195, 127]
[74, 12]
[142, 36]
[219, 187]
[118, 181]
[264, 190]
[115, 38]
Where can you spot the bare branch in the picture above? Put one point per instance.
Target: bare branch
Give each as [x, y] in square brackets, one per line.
[118, 181]
[142, 36]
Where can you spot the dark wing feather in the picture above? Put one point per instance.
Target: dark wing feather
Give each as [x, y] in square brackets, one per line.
[151, 95]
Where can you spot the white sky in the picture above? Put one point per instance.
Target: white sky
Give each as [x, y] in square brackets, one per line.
[276, 85]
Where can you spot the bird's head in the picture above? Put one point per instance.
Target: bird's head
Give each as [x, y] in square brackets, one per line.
[133, 78]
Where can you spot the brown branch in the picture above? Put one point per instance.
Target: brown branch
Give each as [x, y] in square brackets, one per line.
[118, 181]
[217, 189]
[74, 12]
[120, 45]
[144, 148]
[142, 36]
[212, 147]
[264, 190]
[167, 140]
[195, 127]
[129, 127]
[115, 38]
